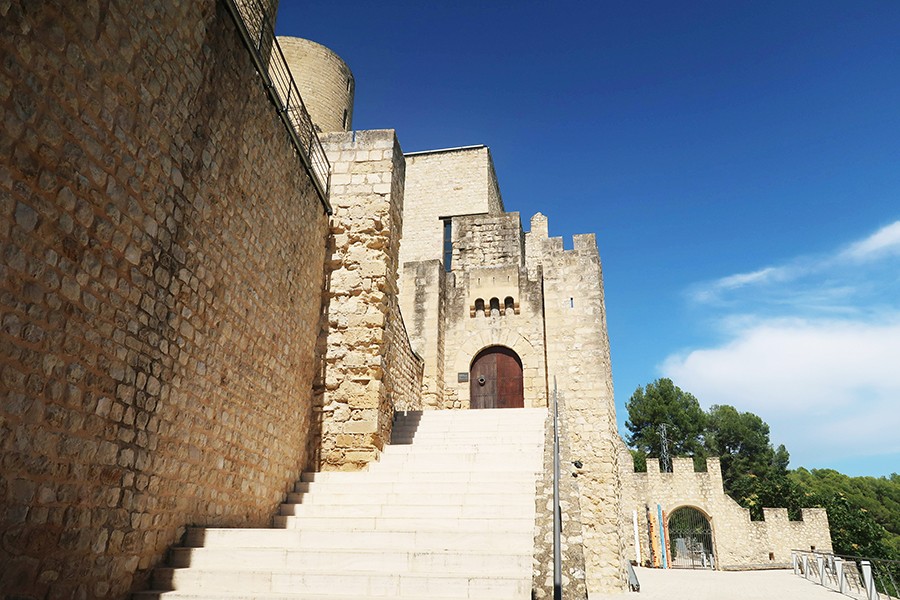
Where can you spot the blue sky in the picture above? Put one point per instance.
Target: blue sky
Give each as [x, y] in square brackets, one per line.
[739, 162]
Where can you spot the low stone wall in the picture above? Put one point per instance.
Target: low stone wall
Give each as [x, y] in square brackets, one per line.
[739, 543]
[162, 251]
[422, 288]
[571, 549]
[403, 370]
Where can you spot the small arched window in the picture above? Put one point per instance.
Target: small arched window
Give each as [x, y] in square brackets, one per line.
[479, 307]
[495, 307]
[509, 305]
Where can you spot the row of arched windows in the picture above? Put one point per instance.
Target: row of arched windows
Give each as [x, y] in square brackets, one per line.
[494, 308]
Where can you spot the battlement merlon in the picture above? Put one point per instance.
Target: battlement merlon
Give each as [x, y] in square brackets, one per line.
[681, 465]
[582, 243]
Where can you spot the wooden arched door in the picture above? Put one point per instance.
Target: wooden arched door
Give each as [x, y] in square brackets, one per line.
[495, 379]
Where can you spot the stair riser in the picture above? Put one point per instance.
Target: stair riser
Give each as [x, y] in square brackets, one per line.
[402, 524]
[362, 585]
[411, 511]
[365, 488]
[433, 499]
[415, 476]
[349, 561]
[422, 541]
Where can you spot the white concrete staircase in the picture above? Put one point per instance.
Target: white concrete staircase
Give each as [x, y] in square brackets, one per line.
[447, 513]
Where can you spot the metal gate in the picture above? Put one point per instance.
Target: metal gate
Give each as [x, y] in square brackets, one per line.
[690, 539]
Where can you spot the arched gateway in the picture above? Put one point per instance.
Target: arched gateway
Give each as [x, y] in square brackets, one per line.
[495, 379]
[690, 539]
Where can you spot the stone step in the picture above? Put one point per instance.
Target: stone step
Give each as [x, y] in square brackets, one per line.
[413, 541]
[470, 453]
[387, 475]
[364, 487]
[185, 595]
[357, 561]
[438, 464]
[469, 429]
[351, 499]
[363, 585]
[408, 510]
[287, 520]
[515, 463]
[446, 513]
[450, 437]
[458, 499]
[481, 416]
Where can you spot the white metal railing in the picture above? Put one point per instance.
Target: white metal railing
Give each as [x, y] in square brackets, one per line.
[854, 576]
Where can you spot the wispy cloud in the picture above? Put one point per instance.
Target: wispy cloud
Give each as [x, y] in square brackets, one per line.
[883, 242]
[812, 346]
[880, 245]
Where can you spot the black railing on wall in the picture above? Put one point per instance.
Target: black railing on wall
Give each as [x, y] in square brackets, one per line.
[256, 25]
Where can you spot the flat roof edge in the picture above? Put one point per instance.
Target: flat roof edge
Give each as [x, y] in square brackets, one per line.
[457, 148]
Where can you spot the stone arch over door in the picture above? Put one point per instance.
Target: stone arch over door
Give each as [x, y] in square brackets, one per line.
[495, 379]
[691, 544]
[533, 376]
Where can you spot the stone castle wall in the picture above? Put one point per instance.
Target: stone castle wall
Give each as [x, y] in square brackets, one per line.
[443, 183]
[488, 263]
[324, 80]
[160, 288]
[739, 543]
[578, 360]
[366, 367]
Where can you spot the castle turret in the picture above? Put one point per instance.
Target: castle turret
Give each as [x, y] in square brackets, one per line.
[325, 82]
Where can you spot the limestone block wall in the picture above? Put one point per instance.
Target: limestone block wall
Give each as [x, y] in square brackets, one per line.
[571, 535]
[487, 241]
[403, 367]
[739, 543]
[443, 183]
[578, 358]
[162, 251]
[421, 300]
[489, 263]
[325, 82]
[367, 198]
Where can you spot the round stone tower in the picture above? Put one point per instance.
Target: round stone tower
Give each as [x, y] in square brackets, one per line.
[324, 80]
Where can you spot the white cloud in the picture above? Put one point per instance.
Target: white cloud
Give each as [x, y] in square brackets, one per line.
[828, 389]
[812, 346]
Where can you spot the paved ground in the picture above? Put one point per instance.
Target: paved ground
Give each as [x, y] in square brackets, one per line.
[685, 584]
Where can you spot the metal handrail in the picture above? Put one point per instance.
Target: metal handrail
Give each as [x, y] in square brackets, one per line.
[557, 514]
[257, 30]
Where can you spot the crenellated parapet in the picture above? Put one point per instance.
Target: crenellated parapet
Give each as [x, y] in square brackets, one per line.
[738, 542]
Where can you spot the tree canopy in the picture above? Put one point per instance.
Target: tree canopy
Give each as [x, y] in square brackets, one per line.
[662, 402]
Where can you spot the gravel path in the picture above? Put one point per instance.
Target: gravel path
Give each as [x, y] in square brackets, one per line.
[685, 584]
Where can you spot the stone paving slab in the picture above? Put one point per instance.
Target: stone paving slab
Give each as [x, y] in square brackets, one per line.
[685, 584]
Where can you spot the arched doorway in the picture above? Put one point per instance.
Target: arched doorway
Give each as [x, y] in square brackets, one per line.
[495, 379]
[690, 539]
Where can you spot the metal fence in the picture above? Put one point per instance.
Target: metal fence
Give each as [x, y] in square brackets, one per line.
[854, 576]
[255, 21]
